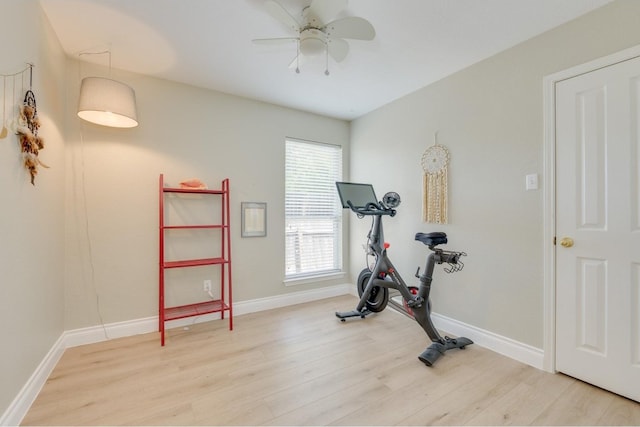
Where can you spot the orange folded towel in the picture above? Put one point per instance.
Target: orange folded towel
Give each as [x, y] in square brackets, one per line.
[193, 184]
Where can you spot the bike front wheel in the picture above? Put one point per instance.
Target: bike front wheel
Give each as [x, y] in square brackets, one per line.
[379, 296]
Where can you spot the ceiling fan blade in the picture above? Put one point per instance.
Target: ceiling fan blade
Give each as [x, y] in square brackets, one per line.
[277, 40]
[278, 12]
[338, 49]
[325, 10]
[351, 28]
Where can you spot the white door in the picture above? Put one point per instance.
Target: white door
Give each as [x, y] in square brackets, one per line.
[598, 227]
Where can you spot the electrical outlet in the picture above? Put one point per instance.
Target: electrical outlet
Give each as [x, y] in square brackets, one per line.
[207, 286]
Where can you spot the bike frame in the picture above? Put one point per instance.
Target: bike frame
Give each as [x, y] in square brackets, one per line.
[385, 275]
[384, 266]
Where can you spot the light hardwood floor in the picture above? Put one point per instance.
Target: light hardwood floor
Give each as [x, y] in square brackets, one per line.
[300, 366]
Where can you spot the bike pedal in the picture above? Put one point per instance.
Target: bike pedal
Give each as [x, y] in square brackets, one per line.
[416, 303]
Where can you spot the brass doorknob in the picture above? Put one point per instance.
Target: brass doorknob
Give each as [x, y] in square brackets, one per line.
[566, 242]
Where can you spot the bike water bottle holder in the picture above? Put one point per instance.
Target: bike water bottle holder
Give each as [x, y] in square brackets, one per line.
[441, 257]
[456, 266]
[451, 258]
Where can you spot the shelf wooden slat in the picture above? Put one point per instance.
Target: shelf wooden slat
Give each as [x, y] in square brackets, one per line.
[178, 227]
[194, 262]
[189, 191]
[180, 312]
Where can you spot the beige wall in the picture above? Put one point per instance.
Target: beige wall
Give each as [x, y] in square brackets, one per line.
[184, 132]
[31, 218]
[490, 116]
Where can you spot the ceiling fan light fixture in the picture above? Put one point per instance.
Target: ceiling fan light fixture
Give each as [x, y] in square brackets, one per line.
[312, 42]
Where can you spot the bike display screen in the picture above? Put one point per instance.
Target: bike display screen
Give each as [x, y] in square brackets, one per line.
[359, 194]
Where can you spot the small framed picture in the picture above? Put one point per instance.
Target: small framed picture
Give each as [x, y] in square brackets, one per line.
[254, 219]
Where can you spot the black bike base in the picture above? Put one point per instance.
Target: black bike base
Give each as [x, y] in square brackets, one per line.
[437, 349]
[343, 315]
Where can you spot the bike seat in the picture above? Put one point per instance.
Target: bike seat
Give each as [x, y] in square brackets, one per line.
[432, 239]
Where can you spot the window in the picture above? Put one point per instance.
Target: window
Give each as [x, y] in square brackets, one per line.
[313, 216]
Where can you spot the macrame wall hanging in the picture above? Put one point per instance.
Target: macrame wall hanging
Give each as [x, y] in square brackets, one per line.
[435, 162]
[26, 124]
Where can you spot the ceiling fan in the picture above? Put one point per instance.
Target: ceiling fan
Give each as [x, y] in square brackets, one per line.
[316, 33]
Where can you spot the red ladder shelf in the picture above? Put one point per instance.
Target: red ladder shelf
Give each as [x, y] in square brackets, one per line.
[221, 305]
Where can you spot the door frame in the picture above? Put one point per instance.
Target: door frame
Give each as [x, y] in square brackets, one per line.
[549, 191]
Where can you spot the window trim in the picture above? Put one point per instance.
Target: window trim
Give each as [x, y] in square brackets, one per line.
[313, 278]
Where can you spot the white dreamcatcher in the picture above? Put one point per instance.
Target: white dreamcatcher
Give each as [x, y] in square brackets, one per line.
[435, 161]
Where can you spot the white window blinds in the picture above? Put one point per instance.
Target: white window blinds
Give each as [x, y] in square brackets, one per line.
[313, 217]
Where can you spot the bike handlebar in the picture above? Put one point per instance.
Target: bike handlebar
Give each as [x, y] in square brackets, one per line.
[372, 209]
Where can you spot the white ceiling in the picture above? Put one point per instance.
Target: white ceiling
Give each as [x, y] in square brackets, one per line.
[207, 43]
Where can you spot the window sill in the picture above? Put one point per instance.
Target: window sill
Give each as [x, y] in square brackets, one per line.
[314, 279]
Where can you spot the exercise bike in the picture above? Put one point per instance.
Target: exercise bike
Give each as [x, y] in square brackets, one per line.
[374, 284]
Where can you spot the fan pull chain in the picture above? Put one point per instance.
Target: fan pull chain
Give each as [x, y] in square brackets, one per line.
[326, 50]
[298, 58]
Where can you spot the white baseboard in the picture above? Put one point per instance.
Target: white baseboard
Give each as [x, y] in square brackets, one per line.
[146, 325]
[94, 334]
[516, 350]
[20, 405]
[506, 346]
[268, 303]
[25, 398]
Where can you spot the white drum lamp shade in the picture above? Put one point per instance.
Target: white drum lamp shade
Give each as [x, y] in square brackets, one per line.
[107, 102]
